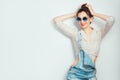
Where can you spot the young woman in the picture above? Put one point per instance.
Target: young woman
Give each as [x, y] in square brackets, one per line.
[86, 40]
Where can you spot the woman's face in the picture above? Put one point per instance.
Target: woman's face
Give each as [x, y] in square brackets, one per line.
[84, 20]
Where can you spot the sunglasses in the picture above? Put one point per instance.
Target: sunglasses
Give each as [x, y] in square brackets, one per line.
[84, 19]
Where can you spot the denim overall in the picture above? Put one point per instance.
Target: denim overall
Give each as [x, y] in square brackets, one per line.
[85, 68]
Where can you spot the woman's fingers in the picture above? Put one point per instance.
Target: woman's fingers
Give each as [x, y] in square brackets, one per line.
[90, 8]
[82, 4]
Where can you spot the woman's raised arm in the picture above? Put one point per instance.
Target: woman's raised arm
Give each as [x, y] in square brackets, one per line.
[108, 19]
[64, 17]
[66, 29]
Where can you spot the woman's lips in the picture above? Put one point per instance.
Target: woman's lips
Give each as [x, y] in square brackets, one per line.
[82, 24]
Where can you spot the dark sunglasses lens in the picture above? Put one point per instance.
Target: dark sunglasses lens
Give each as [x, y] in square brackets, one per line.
[78, 19]
[84, 18]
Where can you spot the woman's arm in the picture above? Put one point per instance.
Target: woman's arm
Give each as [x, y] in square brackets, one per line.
[64, 17]
[108, 19]
[66, 29]
[109, 23]
[101, 16]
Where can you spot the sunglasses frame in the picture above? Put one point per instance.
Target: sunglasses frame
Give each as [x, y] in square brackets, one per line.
[80, 19]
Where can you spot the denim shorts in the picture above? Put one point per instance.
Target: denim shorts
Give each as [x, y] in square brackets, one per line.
[83, 70]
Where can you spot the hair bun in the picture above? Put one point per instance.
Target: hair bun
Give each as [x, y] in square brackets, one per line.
[85, 9]
[84, 5]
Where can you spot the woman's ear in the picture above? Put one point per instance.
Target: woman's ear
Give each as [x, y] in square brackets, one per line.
[91, 19]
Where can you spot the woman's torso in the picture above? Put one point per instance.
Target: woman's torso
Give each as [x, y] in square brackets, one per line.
[92, 46]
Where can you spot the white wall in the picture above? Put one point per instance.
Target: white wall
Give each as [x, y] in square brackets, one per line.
[32, 49]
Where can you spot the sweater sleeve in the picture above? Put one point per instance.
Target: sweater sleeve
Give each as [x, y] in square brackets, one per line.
[108, 25]
[66, 29]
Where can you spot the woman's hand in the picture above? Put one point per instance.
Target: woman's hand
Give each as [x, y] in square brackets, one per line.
[90, 8]
[82, 5]
[102, 16]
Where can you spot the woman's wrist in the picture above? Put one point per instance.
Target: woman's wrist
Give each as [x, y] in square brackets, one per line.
[94, 14]
[64, 17]
[101, 16]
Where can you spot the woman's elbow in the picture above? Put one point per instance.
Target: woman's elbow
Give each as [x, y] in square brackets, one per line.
[55, 20]
[111, 19]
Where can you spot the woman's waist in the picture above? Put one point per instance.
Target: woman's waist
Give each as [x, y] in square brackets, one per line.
[90, 52]
[92, 55]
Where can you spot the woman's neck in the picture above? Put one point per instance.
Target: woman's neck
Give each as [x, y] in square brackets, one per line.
[88, 30]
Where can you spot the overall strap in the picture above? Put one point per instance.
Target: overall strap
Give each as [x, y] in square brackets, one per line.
[86, 61]
[79, 39]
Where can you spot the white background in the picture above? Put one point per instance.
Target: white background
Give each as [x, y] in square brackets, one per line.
[31, 48]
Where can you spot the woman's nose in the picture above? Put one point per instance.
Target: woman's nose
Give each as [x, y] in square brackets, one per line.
[82, 22]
